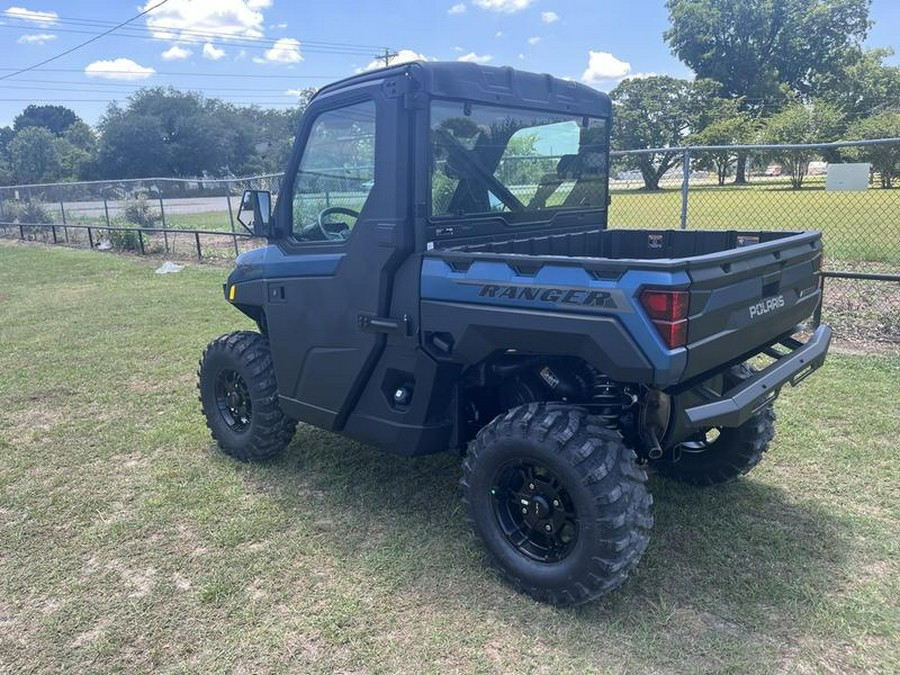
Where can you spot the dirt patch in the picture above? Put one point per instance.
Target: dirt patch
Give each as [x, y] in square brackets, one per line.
[141, 582]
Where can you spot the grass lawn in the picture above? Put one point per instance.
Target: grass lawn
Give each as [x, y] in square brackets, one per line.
[130, 544]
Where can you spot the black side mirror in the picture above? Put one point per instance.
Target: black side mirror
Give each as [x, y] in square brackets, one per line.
[255, 213]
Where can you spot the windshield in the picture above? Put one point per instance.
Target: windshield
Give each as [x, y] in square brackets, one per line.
[488, 160]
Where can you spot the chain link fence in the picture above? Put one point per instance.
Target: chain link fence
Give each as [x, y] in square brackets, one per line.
[850, 191]
[164, 216]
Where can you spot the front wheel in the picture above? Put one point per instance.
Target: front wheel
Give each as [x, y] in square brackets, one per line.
[557, 502]
[240, 399]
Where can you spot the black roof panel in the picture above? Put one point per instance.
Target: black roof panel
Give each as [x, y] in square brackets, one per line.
[487, 84]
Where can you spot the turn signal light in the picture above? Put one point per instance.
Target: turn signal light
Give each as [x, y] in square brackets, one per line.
[668, 310]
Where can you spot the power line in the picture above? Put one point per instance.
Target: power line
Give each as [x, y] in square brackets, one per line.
[196, 32]
[178, 74]
[116, 86]
[235, 42]
[85, 43]
[184, 35]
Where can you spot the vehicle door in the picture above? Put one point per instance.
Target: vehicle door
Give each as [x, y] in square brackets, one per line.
[343, 237]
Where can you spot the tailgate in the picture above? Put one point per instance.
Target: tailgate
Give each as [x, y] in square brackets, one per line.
[744, 299]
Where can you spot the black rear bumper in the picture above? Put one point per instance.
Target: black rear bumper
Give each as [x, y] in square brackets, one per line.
[737, 405]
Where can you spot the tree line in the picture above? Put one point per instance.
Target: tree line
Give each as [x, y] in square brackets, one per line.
[158, 132]
[767, 71]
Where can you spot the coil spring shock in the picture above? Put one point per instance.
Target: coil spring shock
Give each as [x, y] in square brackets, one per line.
[609, 400]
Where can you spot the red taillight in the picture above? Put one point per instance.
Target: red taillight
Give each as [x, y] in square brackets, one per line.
[668, 310]
[666, 305]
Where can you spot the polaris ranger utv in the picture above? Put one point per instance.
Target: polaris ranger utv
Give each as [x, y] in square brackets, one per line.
[439, 276]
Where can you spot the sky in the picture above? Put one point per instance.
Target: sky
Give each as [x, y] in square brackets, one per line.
[264, 51]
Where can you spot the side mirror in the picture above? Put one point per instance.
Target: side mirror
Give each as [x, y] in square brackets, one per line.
[255, 213]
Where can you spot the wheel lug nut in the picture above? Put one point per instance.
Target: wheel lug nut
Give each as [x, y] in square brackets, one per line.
[548, 527]
[555, 502]
[531, 486]
[524, 510]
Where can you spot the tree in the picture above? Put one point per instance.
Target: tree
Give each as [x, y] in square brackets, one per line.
[165, 132]
[55, 118]
[81, 136]
[763, 50]
[802, 123]
[865, 87]
[131, 146]
[34, 157]
[734, 128]
[885, 159]
[658, 112]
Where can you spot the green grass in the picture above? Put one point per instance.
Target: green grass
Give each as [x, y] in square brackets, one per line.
[857, 226]
[129, 544]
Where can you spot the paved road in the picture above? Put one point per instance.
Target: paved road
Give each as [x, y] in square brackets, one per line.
[172, 206]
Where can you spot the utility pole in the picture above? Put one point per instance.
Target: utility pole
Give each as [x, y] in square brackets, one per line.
[387, 56]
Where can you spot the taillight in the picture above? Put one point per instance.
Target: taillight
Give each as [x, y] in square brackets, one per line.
[668, 310]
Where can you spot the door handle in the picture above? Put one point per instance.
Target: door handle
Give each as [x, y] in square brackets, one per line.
[382, 324]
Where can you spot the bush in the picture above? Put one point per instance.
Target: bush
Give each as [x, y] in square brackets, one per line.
[32, 211]
[127, 240]
[26, 213]
[139, 211]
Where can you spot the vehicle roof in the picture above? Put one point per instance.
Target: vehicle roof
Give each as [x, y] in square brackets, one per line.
[488, 84]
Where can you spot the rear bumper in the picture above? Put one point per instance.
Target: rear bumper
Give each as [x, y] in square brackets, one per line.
[737, 405]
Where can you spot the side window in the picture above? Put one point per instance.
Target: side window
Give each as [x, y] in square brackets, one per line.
[336, 174]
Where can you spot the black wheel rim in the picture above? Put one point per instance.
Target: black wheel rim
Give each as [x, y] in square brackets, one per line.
[534, 511]
[233, 400]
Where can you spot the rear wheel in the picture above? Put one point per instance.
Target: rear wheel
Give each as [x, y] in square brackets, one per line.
[557, 502]
[722, 455]
[240, 399]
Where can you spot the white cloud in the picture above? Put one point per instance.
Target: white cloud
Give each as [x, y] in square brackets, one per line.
[498, 34]
[472, 57]
[457, 9]
[118, 69]
[176, 53]
[294, 92]
[403, 56]
[43, 18]
[213, 53]
[603, 66]
[35, 38]
[285, 50]
[522, 56]
[549, 17]
[505, 6]
[229, 18]
[533, 40]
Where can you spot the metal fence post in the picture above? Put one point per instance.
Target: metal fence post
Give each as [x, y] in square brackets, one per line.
[197, 239]
[105, 210]
[685, 185]
[62, 210]
[162, 214]
[231, 217]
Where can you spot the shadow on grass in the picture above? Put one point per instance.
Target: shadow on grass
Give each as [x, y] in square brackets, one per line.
[745, 561]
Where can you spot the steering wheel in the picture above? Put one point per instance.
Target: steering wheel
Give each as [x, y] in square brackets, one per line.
[335, 231]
